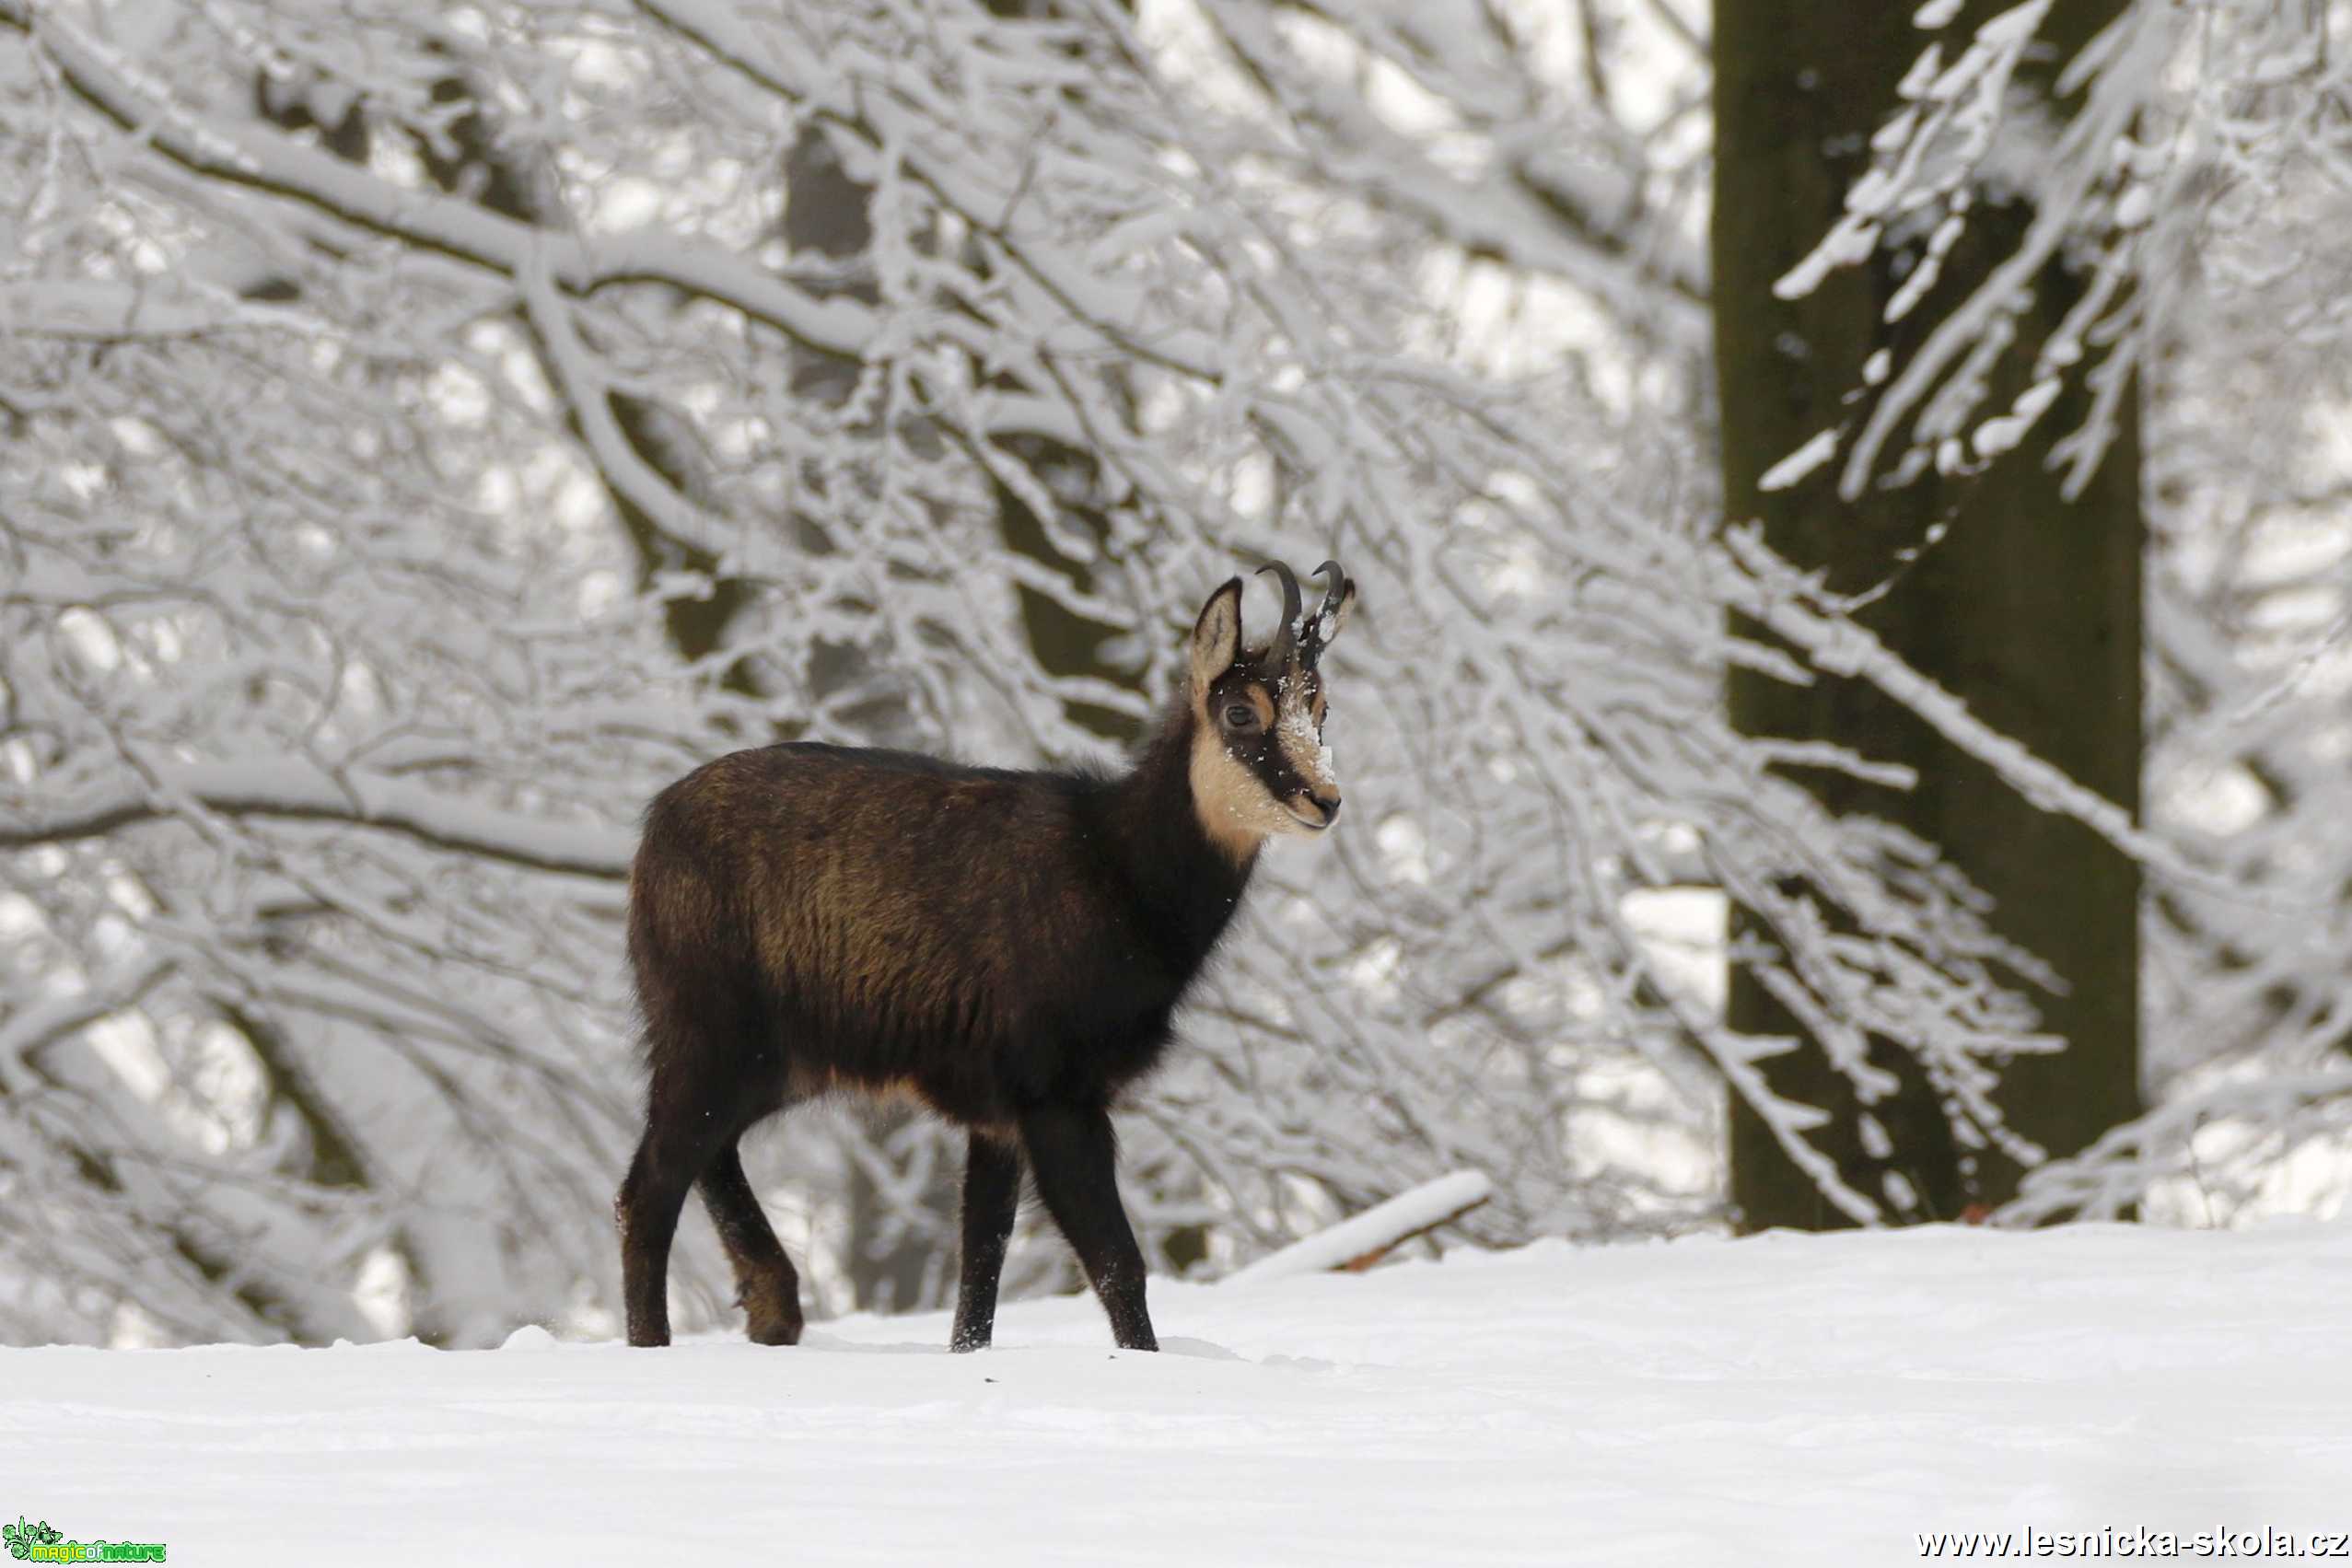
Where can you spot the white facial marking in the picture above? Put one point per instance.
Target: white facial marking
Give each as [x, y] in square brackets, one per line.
[1300, 742]
[1235, 807]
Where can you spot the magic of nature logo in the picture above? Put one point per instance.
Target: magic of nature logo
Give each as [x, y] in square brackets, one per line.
[44, 1542]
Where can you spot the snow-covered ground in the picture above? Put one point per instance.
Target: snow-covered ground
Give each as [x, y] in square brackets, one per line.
[1785, 1400]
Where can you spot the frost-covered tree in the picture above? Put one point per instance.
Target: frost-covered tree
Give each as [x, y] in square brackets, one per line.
[428, 436]
[1966, 545]
[2179, 275]
[2218, 212]
[425, 431]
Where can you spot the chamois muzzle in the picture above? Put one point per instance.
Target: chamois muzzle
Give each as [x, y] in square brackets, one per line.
[1314, 812]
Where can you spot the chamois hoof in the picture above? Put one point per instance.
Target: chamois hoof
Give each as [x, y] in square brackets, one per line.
[770, 1321]
[774, 1332]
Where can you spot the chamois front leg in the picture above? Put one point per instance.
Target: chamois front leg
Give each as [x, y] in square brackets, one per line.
[991, 1191]
[1072, 1151]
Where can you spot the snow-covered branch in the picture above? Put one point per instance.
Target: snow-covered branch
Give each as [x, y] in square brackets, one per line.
[296, 789]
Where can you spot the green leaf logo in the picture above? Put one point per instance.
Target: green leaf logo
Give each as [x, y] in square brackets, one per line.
[21, 1537]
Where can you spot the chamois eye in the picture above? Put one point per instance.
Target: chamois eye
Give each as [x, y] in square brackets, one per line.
[1240, 715]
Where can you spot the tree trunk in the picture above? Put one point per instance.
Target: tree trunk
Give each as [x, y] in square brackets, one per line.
[2028, 608]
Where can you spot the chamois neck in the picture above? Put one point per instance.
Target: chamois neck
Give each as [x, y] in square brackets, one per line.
[1174, 859]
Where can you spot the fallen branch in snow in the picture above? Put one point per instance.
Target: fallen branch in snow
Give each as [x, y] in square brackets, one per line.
[1361, 1240]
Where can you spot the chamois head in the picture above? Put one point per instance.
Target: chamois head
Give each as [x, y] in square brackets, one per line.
[1259, 765]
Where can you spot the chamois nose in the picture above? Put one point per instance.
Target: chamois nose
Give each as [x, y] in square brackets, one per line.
[1316, 811]
[1331, 808]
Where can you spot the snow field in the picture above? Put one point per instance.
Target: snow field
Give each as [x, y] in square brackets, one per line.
[1797, 1399]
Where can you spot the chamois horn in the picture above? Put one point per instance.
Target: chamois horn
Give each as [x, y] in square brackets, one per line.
[1333, 596]
[1286, 637]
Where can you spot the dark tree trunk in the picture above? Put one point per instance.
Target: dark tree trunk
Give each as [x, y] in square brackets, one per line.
[2029, 609]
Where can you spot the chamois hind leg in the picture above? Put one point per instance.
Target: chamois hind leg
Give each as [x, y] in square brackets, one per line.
[765, 1282]
[992, 1193]
[1072, 1151]
[683, 1133]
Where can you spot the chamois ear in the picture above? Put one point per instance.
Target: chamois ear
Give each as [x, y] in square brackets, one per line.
[1217, 635]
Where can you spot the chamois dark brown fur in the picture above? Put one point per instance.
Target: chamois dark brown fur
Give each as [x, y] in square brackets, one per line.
[1007, 948]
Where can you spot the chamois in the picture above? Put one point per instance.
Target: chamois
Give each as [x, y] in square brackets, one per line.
[1007, 948]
